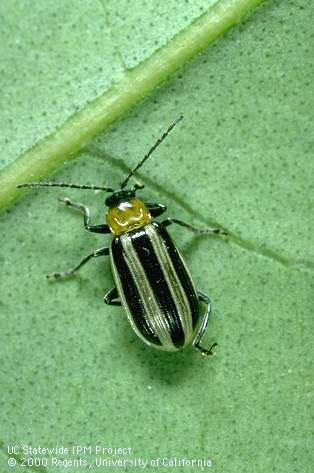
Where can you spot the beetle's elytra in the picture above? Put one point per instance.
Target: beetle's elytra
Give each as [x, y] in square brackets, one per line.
[153, 283]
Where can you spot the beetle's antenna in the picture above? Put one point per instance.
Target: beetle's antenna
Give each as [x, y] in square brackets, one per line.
[158, 142]
[63, 184]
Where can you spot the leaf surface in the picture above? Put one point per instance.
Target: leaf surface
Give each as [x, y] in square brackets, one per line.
[73, 372]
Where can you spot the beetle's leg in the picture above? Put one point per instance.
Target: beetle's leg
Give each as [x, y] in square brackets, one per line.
[85, 211]
[196, 343]
[64, 274]
[200, 231]
[156, 209]
[112, 298]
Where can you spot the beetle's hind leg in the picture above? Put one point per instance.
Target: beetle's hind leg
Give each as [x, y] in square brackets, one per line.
[196, 343]
[65, 274]
[112, 297]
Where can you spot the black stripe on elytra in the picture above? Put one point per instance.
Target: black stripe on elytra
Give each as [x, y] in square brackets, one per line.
[180, 269]
[150, 263]
[131, 293]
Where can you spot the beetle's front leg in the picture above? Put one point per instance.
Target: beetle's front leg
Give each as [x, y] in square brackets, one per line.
[155, 209]
[112, 297]
[199, 231]
[196, 343]
[64, 274]
[85, 211]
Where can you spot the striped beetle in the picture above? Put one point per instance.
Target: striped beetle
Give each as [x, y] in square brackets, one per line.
[153, 283]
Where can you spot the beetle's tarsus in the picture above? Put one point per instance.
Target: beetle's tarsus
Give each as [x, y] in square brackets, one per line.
[65, 200]
[54, 276]
[210, 231]
[100, 252]
[207, 351]
[220, 231]
[68, 202]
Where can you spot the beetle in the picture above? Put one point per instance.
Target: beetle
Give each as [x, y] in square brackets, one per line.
[152, 281]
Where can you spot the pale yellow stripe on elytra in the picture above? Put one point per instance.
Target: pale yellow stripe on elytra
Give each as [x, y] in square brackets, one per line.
[155, 317]
[124, 301]
[173, 281]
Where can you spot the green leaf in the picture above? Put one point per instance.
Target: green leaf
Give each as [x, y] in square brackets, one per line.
[72, 370]
[128, 85]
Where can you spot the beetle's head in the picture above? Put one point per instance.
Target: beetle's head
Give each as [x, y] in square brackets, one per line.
[116, 197]
[126, 212]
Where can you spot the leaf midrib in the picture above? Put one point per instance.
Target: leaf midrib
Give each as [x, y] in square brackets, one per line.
[51, 152]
